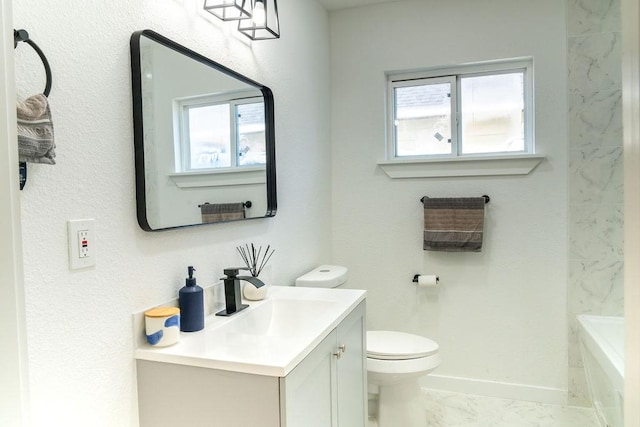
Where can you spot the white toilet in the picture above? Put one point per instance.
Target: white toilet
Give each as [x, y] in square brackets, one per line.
[395, 361]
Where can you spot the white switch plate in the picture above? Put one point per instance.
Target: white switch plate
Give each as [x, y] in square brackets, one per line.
[81, 238]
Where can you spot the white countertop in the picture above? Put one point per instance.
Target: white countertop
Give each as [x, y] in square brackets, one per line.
[270, 337]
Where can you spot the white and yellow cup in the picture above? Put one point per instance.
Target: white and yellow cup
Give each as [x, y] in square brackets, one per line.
[162, 326]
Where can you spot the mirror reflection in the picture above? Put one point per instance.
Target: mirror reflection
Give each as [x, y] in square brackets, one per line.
[204, 140]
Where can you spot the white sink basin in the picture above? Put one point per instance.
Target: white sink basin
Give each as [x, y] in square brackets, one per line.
[279, 317]
[270, 337]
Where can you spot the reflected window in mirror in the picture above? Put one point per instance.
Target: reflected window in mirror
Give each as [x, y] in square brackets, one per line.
[215, 133]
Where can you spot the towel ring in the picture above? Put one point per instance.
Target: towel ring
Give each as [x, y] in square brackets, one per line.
[23, 36]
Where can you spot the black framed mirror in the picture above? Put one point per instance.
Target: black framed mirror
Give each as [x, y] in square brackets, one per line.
[203, 136]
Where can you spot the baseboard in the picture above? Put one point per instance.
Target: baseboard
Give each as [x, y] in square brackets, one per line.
[502, 390]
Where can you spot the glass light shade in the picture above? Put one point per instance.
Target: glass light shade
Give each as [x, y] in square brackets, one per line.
[259, 16]
[228, 10]
[262, 25]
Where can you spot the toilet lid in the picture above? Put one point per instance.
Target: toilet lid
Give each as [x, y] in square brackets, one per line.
[393, 345]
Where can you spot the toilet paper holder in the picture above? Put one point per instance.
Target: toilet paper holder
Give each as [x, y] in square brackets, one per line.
[415, 278]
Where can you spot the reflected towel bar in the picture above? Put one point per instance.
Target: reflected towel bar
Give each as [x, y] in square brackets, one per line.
[246, 204]
[487, 199]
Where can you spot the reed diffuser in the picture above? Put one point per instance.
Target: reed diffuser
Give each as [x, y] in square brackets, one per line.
[255, 260]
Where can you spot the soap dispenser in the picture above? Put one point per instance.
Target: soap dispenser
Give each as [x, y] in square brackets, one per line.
[191, 305]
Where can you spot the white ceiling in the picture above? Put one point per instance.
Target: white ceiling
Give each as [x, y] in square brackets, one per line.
[345, 4]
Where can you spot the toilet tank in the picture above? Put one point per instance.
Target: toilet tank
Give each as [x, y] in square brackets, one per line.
[324, 276]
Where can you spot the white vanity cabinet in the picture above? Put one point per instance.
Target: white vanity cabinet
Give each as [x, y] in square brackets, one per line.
[327, 388]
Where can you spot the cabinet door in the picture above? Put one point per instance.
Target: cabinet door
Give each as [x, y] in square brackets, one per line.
[171, 395]
[352, 370]
[308, 393]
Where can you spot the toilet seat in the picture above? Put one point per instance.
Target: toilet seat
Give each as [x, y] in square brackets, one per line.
[394, 345]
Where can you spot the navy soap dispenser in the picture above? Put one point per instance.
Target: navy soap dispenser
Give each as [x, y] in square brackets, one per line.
[191, 301]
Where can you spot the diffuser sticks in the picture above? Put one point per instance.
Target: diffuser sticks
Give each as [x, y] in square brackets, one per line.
[255, 260]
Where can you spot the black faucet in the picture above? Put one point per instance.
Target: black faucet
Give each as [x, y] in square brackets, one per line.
[232, 294]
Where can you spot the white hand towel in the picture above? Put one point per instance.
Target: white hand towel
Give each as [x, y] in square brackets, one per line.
[35, 131]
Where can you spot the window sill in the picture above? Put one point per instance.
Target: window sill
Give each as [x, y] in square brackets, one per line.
[521, 164]
[220, 178]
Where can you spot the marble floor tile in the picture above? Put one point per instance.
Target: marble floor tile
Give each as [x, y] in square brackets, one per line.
[506, 413]
[447, 409]
[573, 416]
[450, 409]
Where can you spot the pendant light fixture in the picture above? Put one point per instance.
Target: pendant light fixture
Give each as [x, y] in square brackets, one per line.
[263, 23]
[229, 10]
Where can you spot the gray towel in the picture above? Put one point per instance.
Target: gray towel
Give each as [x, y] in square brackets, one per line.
[218, 212]
[35, 131]
[453, 224]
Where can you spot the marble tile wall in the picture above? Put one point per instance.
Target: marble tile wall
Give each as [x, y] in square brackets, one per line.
[595, 283]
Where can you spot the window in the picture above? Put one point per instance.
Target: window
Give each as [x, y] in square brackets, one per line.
[220, 133]
[467, 110]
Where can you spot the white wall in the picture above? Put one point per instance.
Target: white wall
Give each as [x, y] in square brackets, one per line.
[500, 314]
[79, 323]
[14, 379]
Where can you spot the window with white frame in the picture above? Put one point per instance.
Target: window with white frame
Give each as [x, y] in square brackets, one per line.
[216, 133]
[484, 109]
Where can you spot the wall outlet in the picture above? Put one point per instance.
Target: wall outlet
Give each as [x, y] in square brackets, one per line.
[82, 243]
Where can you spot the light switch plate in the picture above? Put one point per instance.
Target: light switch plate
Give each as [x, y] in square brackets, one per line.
[81, 238]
